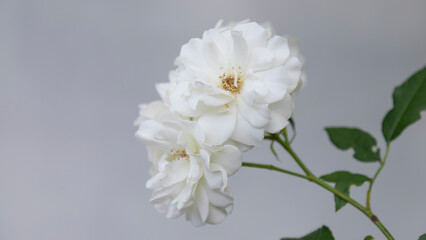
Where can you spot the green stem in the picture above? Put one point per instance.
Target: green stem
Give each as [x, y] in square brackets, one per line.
[311, 177]
[367, 212]
[382, 164]
[287, 147]
[273, 168]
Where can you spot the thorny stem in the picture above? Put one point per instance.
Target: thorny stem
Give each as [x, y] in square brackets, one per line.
[311, 177]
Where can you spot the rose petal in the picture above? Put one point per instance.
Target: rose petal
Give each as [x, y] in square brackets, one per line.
[255, 35]
[256, 114]
[218, 127]
[193, 215]
[280, 112]
[201, 200]
[276, 81]
[213, 35]
[261, 59]
[294, 69]
[156, 134]
[213, 55]
[247, 134]
[214, 179]
[191, 55]
[177, 171]
[279, 46]
[217, 215]
[220, 198]
[239, 53]
[229, 158]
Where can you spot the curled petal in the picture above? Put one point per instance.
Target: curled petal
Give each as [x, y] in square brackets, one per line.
[294, 69]
[280, 112]
[215, 179]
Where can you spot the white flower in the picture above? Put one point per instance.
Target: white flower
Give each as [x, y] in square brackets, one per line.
[237, 81]
[188, 177]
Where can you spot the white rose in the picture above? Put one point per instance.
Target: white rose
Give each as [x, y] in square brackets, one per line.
[188, 177]
[237, 82]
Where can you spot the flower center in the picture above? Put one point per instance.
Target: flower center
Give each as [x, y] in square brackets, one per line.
[232, 81]
[179, 153]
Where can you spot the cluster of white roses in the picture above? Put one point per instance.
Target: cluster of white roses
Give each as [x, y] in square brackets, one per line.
[231, 86]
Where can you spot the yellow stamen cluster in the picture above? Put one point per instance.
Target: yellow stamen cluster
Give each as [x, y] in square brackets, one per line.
[229, 83]
[179, 153]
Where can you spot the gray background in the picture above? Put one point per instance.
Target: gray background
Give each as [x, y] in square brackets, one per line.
[72, 74]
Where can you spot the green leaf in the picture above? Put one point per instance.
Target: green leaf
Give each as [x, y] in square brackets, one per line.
[344, 180]
[422, 237]
[323, 233]
[362, 142]
[409, 99]
[369, 238]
